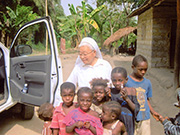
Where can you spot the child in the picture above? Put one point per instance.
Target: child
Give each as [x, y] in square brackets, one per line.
[67, 93]
[83, 120]
[172, 125]
[45, 113]
[126, 97]
[144, 91]
[110, 114]
[99, 86]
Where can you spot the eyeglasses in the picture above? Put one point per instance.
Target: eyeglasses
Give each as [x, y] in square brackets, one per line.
[85, 54]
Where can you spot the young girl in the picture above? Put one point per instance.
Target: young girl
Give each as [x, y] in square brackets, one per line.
[83, 120]
[110, 115]
[45, 113]
[67, 94]
[126, 97]
[100, 97]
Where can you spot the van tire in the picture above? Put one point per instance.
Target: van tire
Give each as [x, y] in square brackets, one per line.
[27, 112]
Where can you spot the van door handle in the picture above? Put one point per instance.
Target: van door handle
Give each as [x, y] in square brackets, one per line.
[18, 75]
[22, 65]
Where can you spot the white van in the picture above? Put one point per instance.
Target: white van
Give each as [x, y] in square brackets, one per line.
[30, 71]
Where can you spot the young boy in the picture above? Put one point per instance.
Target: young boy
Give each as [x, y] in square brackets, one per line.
[45, 113]
[144, 91]
[126, 96]
[172, 125]
[67, 93]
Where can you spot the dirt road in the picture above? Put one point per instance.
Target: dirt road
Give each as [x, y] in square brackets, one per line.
[14, 125]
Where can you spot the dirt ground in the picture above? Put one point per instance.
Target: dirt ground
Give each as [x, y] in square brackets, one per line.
[162, 100]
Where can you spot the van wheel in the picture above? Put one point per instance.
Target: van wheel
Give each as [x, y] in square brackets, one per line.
[27, 112]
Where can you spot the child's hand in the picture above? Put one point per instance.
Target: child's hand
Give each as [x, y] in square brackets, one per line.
[161, 118]
[79, 124]
[156, 116]
[87, 124]
[108, 91]
[124, 93]
[167, 118]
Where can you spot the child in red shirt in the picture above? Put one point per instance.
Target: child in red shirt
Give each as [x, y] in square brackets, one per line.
[67, 94]
[83, 120]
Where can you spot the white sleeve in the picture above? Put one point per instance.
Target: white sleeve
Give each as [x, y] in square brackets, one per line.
[73, 76]
[109, 71]
[109, 74]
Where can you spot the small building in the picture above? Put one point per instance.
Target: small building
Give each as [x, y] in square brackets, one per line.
[156, 32]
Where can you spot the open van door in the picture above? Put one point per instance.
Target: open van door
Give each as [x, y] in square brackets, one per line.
[35, 69]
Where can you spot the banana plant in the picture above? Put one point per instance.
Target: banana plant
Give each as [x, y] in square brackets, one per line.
[16, 18]
[78, 24]
[4, 24]
[21, 15]
[87, 18]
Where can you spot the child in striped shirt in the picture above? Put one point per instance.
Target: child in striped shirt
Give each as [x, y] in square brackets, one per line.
[172, 125]
[67, 94]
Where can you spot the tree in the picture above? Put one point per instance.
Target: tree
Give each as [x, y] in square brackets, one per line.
[80, 23]
[116, 16]
[134, 3]
[4, 24]
[55, 10]
[86, 13]
[21, 15]
[13, 19]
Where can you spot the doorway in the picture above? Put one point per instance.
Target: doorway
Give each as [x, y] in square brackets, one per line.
[172, 42]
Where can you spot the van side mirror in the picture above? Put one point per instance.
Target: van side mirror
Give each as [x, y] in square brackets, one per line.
[23, 50]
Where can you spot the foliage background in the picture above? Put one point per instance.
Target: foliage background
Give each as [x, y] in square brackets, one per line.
[99, 23]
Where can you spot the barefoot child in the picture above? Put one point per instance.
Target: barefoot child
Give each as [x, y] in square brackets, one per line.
[83, 120]
[45, 113]
[67, 93]
[100, 96]
[126, 97]
[110, 115]
[144, 92]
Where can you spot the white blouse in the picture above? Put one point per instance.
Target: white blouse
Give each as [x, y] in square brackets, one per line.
[82, 74]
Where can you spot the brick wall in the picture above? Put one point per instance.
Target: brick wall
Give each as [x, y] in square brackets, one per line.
[153, 39]
[162, 17]
[144, 35]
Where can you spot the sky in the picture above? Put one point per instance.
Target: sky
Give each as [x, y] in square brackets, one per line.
[76, 3]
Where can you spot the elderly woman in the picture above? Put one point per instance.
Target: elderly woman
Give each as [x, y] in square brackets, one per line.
[89, 64]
